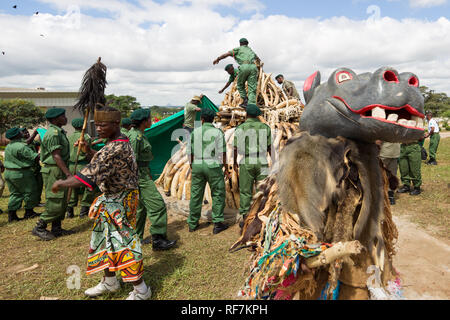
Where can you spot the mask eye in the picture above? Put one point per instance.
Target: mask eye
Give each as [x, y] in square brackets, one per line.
[413, 81]
[343, 76]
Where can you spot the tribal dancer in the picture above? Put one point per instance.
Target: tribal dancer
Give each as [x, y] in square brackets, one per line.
[114, 246]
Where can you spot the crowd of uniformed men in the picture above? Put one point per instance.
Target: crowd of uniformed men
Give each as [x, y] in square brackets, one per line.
[26, 179]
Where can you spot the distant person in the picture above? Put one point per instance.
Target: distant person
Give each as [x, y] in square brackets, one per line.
[433, 134]
[248, 71]
[389, 154]
[207, 155]
[55, 155]
[190, 112]
[252, 140]
[410, 162]
[233, 74]
[19, 163]
[34, 145]
[151, 203]
[2, 181]
[87, 197]
[288, 87]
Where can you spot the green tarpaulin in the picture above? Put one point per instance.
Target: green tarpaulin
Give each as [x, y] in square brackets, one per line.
[162, 137]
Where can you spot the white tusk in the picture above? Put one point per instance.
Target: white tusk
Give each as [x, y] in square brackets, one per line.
[378, 113]
[403, 122]
[412, 123]
[392, 117]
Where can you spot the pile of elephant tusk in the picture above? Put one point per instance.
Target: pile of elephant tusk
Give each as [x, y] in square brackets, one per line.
[272, 101]
[280, 113]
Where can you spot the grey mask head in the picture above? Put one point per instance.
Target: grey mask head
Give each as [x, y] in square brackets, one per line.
[383, 105]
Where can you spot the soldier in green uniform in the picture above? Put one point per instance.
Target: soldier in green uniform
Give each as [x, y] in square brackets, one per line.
[19, 163]
[409, 163]
[2, 181]
[87, 196]
[208, 154]
[252, 140]
[288, 87]
[433, 134]
[34, 146]
[126, 126]
[151, 203]
[233, 74]
[55, 155]
[389, 154]
[248, 71]
[190, 111]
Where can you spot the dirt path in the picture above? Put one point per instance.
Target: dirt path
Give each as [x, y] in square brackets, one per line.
[423, 262]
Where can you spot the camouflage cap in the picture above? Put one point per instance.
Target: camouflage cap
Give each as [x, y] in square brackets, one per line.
[77, 123]
[208, 112]
[140, 114]
[12, 133]
[253, 110]
[126, 121]
[54, 113]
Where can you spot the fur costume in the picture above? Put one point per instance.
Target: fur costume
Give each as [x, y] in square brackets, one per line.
[330, 177]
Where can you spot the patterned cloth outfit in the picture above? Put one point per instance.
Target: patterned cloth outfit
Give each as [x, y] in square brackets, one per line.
[114, 243]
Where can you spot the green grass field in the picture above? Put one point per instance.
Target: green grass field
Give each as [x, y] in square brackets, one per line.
[199, 268]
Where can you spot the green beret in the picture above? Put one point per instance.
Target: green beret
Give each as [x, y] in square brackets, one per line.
[140, 114]
[126, 121]
[54, 113]
[208, 112]
[280, 75]
[77, 123]
[243, 40]
[13, 132]
[228, 66]
[253, 110]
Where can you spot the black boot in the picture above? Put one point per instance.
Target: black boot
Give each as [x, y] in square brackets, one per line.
[12, 216]
[219, 227]
[391, 197]
[416, 191]
[432, 162]
[1, 211]
[244, 104]
[404, 189]
[84, 212]
[58, 231]
[70, 214]
[29, 214]
[160, 242]
[41, 231]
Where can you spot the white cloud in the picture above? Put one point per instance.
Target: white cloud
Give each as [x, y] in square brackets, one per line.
[163, 53]
[426, 3]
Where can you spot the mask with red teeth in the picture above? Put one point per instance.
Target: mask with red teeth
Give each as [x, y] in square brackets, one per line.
[383, 105]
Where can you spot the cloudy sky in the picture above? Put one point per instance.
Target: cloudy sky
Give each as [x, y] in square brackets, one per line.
[162, 51]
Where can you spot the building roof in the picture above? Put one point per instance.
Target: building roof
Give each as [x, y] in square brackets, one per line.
[17, 93]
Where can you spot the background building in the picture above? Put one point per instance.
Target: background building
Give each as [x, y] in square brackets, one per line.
[46, 99]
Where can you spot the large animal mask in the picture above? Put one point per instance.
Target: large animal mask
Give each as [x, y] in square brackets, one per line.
[383, 105]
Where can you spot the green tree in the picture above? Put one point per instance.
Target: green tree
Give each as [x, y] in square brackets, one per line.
[19, 113]
[125, 104]
[438, 103]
